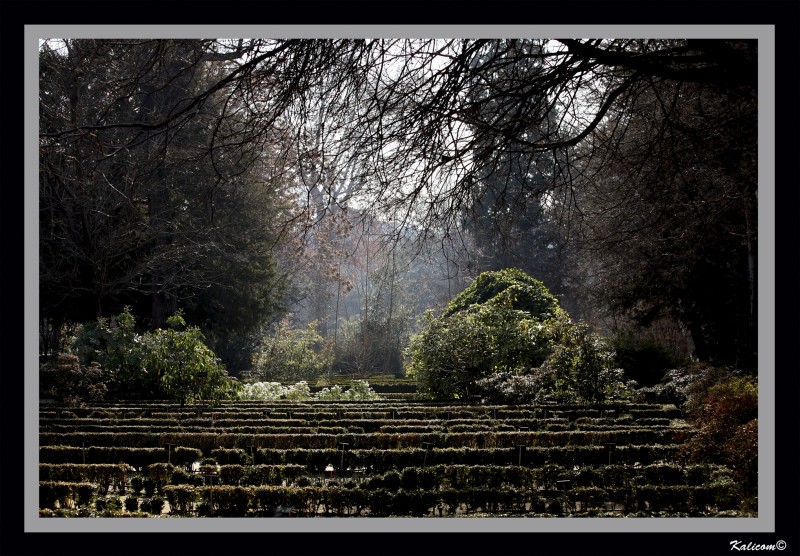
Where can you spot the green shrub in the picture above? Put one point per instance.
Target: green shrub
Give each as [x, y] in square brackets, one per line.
[137, 482]
[117, 347]
[741, 454]
[149, 486]
[506, 325]
[84, 493]
[263, 391]
[53, 494]
[392, 481]
[508, 388]
[685, 387]
[228, 500]
[181, 498]
[270, 391]
[288, 354]
[359, 391]
[231, 474]
[182, 455]
[188, 370]
[298, 392]
[111, 506]
[454, 351]
[498, 324]
[174, 362]
[589, 496]
[580, 366]
[181, 477]
[230, 456]
[160, 473]
[665, 474]
[510, 288]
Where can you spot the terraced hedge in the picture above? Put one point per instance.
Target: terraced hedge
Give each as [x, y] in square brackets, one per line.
[381, 441]
[380, 458]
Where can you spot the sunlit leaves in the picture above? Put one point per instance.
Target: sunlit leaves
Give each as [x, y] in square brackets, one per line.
[188, 370]
[499, 324]
[286, 353]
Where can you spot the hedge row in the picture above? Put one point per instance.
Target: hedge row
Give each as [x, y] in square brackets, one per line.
[104, 475]
[428, 477]
[343, 420]
[376, 461]
[62, 494]
[132, 405]
[233, 474]
[367, 425]
[444, 489]
[369, 410]
[382, 441]
[162, 429]
[349, 427]
[235, 501]
[547, 477]
[330, 429]
[316, 459]
[137, 457]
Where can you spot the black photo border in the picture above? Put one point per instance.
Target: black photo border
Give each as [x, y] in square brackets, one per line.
[783, 15]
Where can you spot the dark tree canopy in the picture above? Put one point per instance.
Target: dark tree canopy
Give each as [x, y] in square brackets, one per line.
[633, 159]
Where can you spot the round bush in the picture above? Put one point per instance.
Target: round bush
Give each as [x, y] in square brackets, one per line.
[510, 288]
[504, 339]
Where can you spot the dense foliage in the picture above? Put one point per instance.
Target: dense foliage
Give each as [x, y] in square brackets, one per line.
[581, 366]
[360, 390]
[173, 362]
[65, 380]
[726, 415]
[115, 345]
[166, 220]
[510, 288]
[188, 370]
[507, 324]
[290, 354]
[270, 391]
[723, 405]
[452, 352]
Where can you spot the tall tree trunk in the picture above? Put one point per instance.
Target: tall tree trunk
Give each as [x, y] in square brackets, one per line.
[390, 340]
